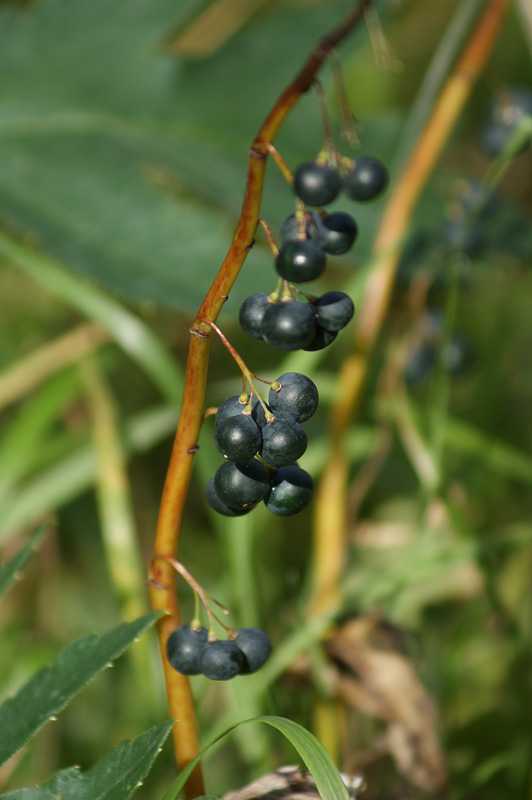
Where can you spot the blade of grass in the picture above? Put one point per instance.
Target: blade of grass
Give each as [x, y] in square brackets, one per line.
[24, 376]
[77, 472]
[10, 571]
[138, 341]
[113, 495]
[461, 437]
[448, 49]
[403, 197]
[22, 442]
[524, 10]
[327, 778]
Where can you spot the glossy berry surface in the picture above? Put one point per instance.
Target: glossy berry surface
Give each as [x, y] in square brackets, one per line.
[367, 179]
[241, 485]
[337, 233]
[298, 396]
[251, 314]
[316, 184]
[292, 231]
[283, 441]
[221, 660]
[291, 492]
[216, 504]
[301, 261]
[238, 438]
[184, 647]
[334, 310]
[233, 407]
[321, 339]
[255, 646]
[289, 326]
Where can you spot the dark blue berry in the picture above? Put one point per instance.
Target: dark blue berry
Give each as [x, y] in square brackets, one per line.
[297, 396]
[293, 231]
[367, 179]
[334, 310]
[337, 233]
[221, 660]
[234, 406]
[289, 325]
[184, 647]
[284, 440]
[301, 261]
[242, 485]
[216, 504]
[252, 313]
[321, 339]
[238, 438]
[291, 492]
[255, 646]
[316, 184]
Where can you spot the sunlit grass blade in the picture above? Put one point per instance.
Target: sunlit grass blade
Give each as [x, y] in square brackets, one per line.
[10, 571]
[150, 353]
[449, 48]
[75, 473]
[113, 495]
[27, 373]
[524, 9]
[328, 780]
[496, 455]
[21, 447]
[52, 688]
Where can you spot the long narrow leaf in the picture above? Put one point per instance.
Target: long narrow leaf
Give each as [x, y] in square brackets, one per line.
[319, 763]
[128, 330]
[52, 688]
[114, 777]
[75, 473]
[9, 572]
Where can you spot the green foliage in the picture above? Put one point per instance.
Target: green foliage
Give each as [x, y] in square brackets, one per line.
[123, 169]
[328, 782]
[114, 777]
[10, 571]
[49, 691]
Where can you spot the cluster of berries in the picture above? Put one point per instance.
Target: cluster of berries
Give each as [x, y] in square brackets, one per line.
[191, 652]
[291, 325]
[306, 238]
[457, 355]
[246, 427]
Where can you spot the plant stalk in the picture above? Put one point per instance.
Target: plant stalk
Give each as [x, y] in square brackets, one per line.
[331, 528]
[163, 593]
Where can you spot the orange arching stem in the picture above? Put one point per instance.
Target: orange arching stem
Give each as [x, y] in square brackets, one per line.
[163, 593]
[330, 535]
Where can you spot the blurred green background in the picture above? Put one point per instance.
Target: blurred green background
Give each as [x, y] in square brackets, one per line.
[123, 137]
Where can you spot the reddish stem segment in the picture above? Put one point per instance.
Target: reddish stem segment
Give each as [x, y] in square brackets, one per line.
[162, 591]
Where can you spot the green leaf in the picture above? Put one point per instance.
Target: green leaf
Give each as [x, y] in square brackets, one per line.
[49, 691]
[141, 344]
[491, 451]
[319, 763]
[9, 572]
[120, 158]
[114, 777]
[76, 472]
